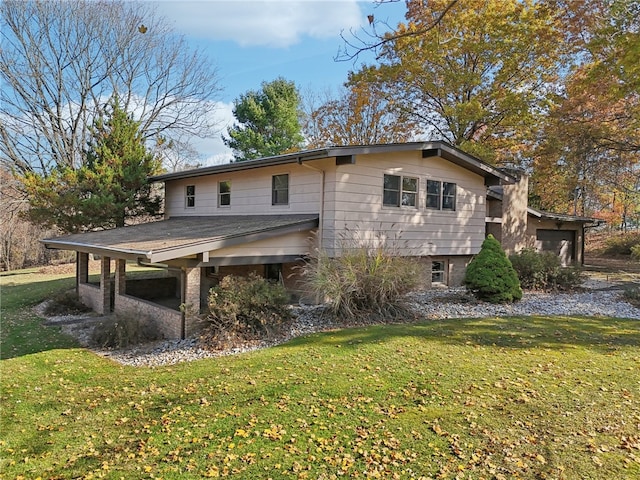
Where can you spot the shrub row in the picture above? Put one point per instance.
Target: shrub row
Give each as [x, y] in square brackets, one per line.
[244, 309]
[623, 244]
[543, 271]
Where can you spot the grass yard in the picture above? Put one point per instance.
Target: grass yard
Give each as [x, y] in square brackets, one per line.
[494, 398]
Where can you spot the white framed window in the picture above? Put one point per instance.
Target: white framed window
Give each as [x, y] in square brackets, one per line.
[280, 189]
[224, 193]
[399, 191]
[190, 196]
[439, 272]
[448, 196]
[433, 194]
[441, 195]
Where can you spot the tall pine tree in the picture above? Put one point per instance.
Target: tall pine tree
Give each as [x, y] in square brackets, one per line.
[268, 122]
[111, 186]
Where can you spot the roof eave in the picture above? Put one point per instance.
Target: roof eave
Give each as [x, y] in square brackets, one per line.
[127, 254]
[196, 248]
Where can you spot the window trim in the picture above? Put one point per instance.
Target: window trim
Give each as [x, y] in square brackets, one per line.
[190, 198]
[274, 191]
[401, 191]
[220, 194]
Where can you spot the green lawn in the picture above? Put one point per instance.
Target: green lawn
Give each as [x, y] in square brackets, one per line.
[541, 397]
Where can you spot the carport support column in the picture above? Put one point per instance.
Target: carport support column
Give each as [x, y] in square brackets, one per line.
[121, 276]
[105, 285]
[190, 300]
[82, 269]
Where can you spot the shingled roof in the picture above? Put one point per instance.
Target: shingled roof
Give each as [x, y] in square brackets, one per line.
[178, 237]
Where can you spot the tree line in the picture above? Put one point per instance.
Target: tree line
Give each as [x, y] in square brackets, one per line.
[98, 95]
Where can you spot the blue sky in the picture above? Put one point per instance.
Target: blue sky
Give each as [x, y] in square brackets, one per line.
[252, 41]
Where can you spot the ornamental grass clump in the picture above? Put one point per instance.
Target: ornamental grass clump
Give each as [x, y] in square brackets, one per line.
[365, 278]
[491, 277]
[245, 309]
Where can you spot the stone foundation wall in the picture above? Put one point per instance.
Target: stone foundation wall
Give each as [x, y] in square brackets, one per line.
[167, 321]
[457, 270]
[91, 296]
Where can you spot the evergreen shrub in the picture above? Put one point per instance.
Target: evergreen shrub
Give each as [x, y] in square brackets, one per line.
[244, 308]
[490, 276]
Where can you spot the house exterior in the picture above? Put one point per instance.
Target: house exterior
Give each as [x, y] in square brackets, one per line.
[427, 200]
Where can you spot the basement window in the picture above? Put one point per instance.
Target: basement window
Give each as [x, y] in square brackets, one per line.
[438, 272]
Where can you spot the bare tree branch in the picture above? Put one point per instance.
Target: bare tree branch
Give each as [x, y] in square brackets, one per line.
[356, 47]
[63, 60]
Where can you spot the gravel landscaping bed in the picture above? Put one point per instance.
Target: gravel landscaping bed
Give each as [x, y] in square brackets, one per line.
[597, 299]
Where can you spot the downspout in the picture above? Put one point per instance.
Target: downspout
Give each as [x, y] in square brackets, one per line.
[183, 299]
[322, 188]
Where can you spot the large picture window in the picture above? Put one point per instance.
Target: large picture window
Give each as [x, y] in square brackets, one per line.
[441, 195]
[280, 190]
[400, 191]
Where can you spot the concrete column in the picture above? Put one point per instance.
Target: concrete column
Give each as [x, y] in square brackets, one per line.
[105, 285]
[121, 276]
[190, 300]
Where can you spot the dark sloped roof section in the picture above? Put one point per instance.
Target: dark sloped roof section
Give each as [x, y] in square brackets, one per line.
[182, 236]
[435, 148]
[497, 193]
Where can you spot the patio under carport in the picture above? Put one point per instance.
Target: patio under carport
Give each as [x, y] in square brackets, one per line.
[184, 246]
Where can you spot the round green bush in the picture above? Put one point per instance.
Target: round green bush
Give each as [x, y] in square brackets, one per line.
[490, 275]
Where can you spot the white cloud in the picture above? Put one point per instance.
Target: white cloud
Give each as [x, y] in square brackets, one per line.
[213, 151]
[273, 23]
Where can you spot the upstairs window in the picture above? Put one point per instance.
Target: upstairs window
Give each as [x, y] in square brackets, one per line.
[224, 194]
[448, 196]
[441, 195]
[433, 194]
[190, 196]
[280, 190]
[400, 191]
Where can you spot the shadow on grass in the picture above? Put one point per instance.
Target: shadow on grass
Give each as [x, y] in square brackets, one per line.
[553, 332]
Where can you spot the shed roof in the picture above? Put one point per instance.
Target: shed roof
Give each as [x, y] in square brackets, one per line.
[497, 192]
[181, 236]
